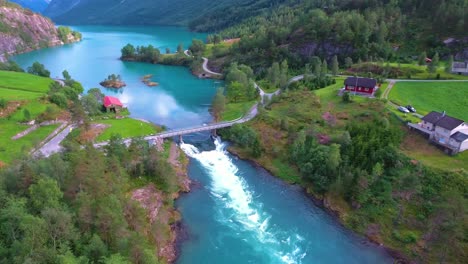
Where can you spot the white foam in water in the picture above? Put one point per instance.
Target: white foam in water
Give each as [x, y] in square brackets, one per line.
[233, 193]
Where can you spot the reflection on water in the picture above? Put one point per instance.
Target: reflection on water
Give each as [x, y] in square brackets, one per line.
[180, 99]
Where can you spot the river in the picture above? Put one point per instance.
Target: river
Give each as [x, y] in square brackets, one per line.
[236, 212]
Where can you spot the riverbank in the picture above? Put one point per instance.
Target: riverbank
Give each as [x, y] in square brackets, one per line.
[323, 202]
[159, 205]
[179, 162]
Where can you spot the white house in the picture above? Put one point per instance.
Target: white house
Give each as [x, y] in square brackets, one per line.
[460, 67]
[446, 131]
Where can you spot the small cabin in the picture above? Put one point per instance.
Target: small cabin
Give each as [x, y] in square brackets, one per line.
[112, 104]
[361, 85]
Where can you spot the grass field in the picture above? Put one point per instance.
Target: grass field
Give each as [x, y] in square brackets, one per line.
[16, 86]
[216, 50]
[127, 128]
[417, 147]
[13, 149]
[451, 97]
[35, 108]
[24, 82]
[422, 72]
[18, 95]
[236, 110]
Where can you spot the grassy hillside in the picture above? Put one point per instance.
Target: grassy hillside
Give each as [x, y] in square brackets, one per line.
[19, 81]
[22, 92]
[451, 97]
[126, 128]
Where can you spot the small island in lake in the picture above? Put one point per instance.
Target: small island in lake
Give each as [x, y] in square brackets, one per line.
[113, 81]
[147, 80]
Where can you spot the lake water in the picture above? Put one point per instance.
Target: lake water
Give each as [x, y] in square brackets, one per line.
[236, 212]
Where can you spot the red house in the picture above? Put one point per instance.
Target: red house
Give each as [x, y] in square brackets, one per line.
[112, 103]
[361, 85]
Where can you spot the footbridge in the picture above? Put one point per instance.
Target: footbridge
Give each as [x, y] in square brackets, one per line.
[189, 130]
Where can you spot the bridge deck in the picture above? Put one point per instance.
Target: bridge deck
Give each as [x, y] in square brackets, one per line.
[184, 131]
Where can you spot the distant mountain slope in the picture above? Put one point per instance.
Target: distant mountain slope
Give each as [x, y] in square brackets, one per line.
[59, 7]
[34, 5]
[22, 30]
[145, 12]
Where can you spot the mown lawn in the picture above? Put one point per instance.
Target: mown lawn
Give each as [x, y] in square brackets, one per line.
[24, 82]
[127, 128]
[216, 50]
[451, 97]
[35, 108]
[13, 149]
[417, 147]
[422, 73]
[18, 95]
[236, 110]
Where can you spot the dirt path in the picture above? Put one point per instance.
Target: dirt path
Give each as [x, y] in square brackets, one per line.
[389, 88]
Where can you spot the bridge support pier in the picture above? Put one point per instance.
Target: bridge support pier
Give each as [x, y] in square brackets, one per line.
[180, 139]
[213, 133]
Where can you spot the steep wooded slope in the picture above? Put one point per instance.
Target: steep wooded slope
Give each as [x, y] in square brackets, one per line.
[22, 30]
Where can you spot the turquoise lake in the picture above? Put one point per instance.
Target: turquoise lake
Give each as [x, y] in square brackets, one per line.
[236, 212]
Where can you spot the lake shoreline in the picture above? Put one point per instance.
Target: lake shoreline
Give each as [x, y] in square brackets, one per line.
[397, 256]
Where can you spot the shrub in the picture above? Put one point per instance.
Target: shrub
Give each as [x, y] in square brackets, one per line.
[346, 97]
[59, 99]
[26, 115]
[3, 103]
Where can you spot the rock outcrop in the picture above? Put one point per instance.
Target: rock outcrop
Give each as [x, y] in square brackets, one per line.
[22, 30]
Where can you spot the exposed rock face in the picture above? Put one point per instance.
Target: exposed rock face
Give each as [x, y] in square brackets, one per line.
[22, 30]
[458, 48]
[307, 46]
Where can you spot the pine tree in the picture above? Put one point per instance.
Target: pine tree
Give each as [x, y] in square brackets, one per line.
[422, 58]
[335, 67]
[348, 62]
[324, 70]
[180, 48]
[448, 67]
[284, 74]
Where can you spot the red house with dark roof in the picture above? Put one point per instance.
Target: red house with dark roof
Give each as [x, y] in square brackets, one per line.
[111, 102]
[360, 85]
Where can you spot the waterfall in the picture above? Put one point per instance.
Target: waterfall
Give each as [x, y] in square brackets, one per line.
[239, 209]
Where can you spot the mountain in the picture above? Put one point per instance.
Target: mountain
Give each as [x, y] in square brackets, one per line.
[157, 12]
[34, 5]
[21, 30]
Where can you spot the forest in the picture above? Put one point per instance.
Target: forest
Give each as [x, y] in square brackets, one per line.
[359, 30]
[75, 207]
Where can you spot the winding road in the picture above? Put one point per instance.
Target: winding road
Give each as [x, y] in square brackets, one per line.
[53, 145]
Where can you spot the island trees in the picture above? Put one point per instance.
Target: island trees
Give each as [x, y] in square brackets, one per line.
[113, 81]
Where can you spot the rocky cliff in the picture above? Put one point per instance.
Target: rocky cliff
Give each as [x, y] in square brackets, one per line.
[21, 30]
